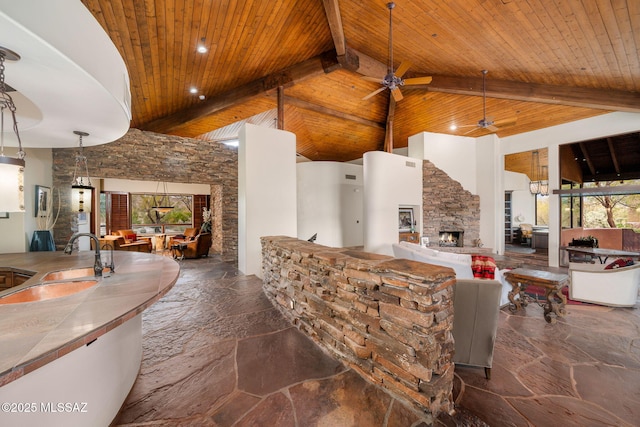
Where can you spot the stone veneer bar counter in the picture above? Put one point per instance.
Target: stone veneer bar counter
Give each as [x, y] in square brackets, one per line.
[102, 323]
[389, 319]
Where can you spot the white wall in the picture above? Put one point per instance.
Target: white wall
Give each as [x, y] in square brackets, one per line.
[522, 201]
[489, 187]
[329, 204]
[266, 191]
[477, 164]
[390, 182]
[17, 231]
[456, 155]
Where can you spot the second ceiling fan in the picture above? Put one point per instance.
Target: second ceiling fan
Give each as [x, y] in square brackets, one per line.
[393, 80]
[486, 123]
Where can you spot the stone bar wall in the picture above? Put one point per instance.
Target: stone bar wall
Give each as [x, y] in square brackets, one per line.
[447, 206]
[389, 319]
[148, 156]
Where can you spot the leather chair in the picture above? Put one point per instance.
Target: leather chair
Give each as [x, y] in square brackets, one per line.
[526, 233]
[198, 247]
[130, 236]
[476, 309]
[188, 235]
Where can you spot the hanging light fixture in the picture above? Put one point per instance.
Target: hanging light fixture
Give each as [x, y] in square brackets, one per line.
[163, 205]
[81, 188]
[544, 182]
[11, 169]
[534, 185]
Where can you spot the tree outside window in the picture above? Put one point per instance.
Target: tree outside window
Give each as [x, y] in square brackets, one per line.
[147, 220]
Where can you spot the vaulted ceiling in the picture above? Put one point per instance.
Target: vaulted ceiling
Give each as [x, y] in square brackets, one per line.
[548, 63]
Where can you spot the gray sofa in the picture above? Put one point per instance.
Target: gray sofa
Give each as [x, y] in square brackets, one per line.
[476, 304]
[476, 309]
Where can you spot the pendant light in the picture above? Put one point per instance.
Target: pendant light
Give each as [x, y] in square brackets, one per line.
[544, 182]
[11, 169]
[81, 188]
[163, 205]
[535, 184]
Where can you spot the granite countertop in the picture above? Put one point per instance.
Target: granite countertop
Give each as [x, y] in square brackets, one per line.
[33, 334]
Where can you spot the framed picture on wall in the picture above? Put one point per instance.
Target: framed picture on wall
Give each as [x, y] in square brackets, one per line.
[43, 200]
[405, 219]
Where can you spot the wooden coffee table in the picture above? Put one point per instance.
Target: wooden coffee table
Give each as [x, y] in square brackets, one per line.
[553, 283]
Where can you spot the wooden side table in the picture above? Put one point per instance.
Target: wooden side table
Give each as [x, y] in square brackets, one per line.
[553, 283]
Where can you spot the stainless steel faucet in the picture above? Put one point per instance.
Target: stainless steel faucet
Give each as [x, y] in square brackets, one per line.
[97, 265]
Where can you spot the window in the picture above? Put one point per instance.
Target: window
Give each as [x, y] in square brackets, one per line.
[147, 220]
[542, 210]
[607, 210]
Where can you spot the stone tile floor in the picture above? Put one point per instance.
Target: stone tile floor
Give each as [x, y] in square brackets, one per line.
[217, 353]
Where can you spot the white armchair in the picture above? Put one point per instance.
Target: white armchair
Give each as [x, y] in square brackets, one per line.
[617, 287]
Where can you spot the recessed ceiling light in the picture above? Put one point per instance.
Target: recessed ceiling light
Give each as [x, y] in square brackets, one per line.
[453, 127]
[201, 97]
[193, 90]
[202, 49]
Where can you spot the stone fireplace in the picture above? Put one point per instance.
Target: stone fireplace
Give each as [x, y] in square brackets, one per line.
[448, 208]
[450, 238]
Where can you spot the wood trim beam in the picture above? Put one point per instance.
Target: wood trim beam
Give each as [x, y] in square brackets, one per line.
[280, 118]
[585, 153]
[614, 157]
[306, 105]
[600, 191]
[318, 65]
[388, 135]
[332, 10]
[600, 99]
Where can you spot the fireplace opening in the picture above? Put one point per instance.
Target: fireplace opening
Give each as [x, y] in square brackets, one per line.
[451, 238]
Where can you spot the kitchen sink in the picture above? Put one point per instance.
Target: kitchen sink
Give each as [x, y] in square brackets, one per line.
[47, 291]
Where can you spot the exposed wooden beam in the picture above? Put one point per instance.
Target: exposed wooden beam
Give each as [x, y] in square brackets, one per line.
[601, 99]
[332, 10]
[321, 64]
[587, 158]
[360, 63]
[614, 157]
[388, 135]
[330, 112]
[280, 107]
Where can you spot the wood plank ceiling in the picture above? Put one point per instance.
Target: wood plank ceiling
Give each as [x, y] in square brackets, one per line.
[549, 63]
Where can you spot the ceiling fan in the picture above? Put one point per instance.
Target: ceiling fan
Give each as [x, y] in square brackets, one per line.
[487, 123]
[393, 80]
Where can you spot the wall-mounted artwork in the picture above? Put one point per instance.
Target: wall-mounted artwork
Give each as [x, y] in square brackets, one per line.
[43, 201]
[405, 219]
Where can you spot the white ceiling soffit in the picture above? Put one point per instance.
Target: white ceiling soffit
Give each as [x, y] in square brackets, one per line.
[70, 75]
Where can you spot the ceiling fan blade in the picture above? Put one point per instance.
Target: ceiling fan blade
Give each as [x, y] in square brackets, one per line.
[472, 130]
[493, 128]
[404, 66]
[418, 81]
[397, 95]
[506, 122]
[375, 92]
[372, 79]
